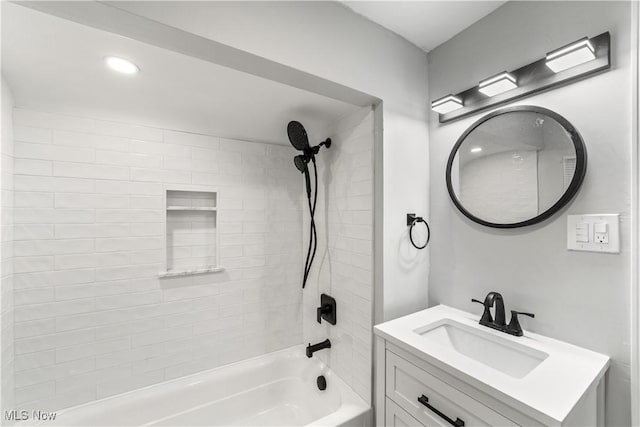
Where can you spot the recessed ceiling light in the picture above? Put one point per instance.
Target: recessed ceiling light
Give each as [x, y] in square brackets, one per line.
[476, 149]
[498, 84]
[121, 65]
[446, 104]
[571, 55]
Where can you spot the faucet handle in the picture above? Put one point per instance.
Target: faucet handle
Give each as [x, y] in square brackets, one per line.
[514, 327]
[486, 314]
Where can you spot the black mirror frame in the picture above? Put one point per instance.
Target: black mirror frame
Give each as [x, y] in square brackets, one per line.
[572, 190]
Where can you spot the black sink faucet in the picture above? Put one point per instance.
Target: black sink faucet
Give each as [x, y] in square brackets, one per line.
[313, 348]
[494, 298]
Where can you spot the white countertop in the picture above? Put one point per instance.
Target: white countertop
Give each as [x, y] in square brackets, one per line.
[551, 389]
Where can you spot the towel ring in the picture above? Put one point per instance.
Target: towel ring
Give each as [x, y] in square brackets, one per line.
[412, 220]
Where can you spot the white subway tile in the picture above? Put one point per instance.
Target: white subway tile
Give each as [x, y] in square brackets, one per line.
[70, 262]
[53, 341]
[146, 229]
[127, 272]
[128, 159]
[128, 300]
[160, 175]
[83, 170]
[32, 167]
[32, 264]
[162, 335]
[89, 140]
[128, 244]
[90, 320]
[33, 296]
[49, 278]
[84, 201]
[66, 354]
[129, 131]
[25, 117]
[128, 215]
[55, 216]
[23, 199]
[192, 139]
[145, 202]
[145, 147]
[34, 360]
[53, 309]
[137, 188]
[236, 145]
[34, 328]
[91, 230]
[32, 134]
[52, 184]
[34, 392]
[177, 163]
[52, 152]
[52, 247]
[116, 386]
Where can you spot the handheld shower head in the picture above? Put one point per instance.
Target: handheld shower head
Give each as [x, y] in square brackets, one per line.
[297, 136]
[301, 162]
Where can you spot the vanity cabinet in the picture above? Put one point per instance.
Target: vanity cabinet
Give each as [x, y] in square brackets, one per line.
[413, 388]
[420, 386]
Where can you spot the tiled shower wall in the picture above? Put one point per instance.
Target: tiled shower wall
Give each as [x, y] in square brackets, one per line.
[343, 267]
[92, 317]
[6, 250]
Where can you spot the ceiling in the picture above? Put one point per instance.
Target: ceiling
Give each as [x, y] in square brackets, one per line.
[52, 64]
[427, 24]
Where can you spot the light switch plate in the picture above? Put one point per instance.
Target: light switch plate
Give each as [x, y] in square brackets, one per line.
[597, 242]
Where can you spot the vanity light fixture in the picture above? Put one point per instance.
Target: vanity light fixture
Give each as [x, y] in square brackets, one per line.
[569, 56]
[121, 65]
[498, 84]
[475, 150]
[447, 104]
[578, 60]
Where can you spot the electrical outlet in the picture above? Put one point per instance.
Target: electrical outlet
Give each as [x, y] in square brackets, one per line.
[594, 233]
[601, 233]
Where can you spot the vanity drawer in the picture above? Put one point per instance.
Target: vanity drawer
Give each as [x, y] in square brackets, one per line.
[395, 416]
[406, 383]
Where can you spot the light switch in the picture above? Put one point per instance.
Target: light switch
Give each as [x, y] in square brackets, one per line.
[582, 232]
[594, 233]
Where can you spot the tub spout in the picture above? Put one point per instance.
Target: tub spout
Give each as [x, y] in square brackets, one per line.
[313, 348]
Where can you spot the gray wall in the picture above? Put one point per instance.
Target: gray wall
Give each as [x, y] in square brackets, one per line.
[578, 297]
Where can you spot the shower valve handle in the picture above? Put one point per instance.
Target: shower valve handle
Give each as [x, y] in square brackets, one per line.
[325, 309]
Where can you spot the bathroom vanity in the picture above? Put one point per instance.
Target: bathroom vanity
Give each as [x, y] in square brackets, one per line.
[439, 367]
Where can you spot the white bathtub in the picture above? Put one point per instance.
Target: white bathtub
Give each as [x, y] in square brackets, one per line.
[277, 389]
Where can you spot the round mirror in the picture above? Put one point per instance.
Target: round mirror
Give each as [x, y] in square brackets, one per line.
[516, 167]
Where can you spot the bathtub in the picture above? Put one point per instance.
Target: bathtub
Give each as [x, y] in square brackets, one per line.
[277, 389]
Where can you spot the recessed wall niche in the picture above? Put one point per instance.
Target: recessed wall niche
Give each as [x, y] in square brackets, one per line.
[191, 232]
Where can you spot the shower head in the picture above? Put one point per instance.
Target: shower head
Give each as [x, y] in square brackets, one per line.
[301, 162]
[297, 136]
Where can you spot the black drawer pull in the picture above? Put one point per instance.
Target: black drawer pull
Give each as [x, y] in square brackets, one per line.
[425, 401]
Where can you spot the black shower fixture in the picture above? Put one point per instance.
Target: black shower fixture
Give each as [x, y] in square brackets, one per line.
[300, 141]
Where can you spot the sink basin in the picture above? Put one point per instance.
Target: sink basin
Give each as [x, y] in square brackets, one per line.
[485, 347]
